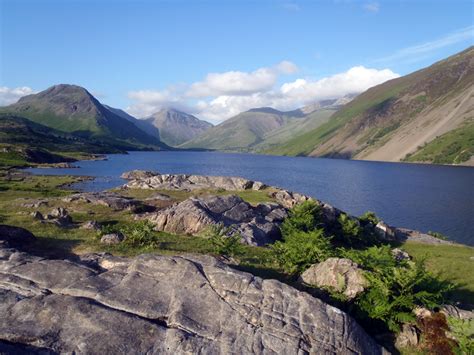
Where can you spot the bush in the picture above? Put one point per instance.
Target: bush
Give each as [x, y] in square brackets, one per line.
[463, 331]
[305, 216]
[369, 217]
[300, 249]
[140, 234]
[224, 241]
[395, 288]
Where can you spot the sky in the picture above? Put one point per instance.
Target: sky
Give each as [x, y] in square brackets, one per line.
[217, 58]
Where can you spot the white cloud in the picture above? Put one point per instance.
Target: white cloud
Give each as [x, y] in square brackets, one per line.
[420, 51]
[372, 6]
[227, 94]
[240, 83]
[11, 95]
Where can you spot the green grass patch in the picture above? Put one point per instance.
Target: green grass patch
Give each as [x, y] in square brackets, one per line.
[451, 262]
[454, 147]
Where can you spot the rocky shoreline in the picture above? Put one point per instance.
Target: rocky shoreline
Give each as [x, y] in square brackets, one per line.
[194, 214]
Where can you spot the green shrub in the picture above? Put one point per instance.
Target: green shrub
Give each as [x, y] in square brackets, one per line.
[369, 217]
[224, 241]
[305, 216]
[140, 234]
[463, 331]
[438, 235]
[395, 288]
[108, 228]
[300, 249]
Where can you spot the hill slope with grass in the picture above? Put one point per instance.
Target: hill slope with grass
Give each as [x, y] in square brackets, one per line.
[23, 142]
[418, 117]
[72, 109]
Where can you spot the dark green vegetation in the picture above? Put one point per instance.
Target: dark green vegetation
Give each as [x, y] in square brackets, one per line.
[73, 110]
[395, 287]
[23, 142]
[415, 102]
[454, 147]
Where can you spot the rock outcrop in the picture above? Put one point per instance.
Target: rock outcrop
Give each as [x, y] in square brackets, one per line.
[142, 180]
[257, 225]
[338, 274]
[160, 304]
[105, 198]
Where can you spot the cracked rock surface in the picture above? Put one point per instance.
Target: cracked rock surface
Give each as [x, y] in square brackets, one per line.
[257, 225]
[161, 304]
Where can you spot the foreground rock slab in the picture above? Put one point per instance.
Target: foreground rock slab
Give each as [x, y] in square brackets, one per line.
[257, 225]
[161, 304]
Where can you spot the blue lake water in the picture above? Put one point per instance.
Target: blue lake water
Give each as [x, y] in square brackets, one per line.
[422, 197]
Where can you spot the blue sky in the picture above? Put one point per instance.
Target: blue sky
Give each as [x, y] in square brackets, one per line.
[144, 55]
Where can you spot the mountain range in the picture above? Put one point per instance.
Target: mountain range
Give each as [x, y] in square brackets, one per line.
[426, 116]
[260, 128]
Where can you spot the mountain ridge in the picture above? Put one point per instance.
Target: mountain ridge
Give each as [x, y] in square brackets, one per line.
[394, 120]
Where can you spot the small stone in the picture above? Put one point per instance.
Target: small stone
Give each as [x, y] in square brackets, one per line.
[112, 238]
[37, 215]
[59, 212]
[400, 255]
[384, 231]
[408, 337]
[93, 225]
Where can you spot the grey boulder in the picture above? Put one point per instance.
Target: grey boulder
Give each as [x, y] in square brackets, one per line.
[257, 225]
[338, 274]
[112, 238]
[160, 304]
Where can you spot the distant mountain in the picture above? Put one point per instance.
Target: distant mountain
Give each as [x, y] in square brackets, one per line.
[426, 116]
[243, 131]
[71, 108]
[174, 127]
[262, 129]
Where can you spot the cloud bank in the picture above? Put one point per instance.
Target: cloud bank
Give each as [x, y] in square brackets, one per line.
[222, 95]
[11, 95]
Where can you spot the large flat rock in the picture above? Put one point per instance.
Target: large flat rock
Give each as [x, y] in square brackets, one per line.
[162, 304]
[148, 180]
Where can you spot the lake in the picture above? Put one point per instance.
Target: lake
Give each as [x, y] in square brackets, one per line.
[416, 196]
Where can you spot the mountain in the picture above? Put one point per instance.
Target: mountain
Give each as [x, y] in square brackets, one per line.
[262, 129]
[174, 127]
[425, 116]
[72, 109]
[243, 131]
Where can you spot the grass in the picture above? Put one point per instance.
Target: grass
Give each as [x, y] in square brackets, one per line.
[454, 147]
[451, 262]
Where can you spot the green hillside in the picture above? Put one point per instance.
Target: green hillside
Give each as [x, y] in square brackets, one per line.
[399, 117]
[72, 109]
[23, 141]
